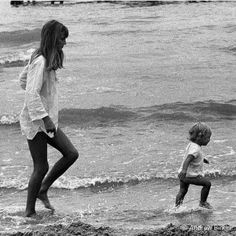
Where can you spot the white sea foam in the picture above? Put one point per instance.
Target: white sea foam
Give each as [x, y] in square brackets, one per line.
[16, 58]
[9, 119]
[220, 141]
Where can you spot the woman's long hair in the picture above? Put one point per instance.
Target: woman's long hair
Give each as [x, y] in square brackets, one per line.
[50, 36]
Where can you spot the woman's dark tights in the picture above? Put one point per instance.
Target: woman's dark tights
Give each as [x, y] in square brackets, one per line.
[38, 183]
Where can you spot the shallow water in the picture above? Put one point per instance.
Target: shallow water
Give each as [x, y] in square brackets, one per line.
[136, 78]
[127, 209]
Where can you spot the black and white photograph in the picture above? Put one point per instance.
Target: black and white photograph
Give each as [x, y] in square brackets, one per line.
[117, 117]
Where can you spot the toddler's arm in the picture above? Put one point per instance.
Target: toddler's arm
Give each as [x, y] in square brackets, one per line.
[186, 163]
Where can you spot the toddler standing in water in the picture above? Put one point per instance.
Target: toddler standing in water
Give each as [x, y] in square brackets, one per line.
[191, 170]
[39, 116]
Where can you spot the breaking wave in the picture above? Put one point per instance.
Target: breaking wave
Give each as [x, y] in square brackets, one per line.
[99, 183]
[19, 37]
[206, 111]
[174, 112]
[16, 59]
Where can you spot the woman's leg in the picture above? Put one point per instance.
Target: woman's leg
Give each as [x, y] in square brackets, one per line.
[38, 150]
[182, 192]
[61, 142]
[202, 182]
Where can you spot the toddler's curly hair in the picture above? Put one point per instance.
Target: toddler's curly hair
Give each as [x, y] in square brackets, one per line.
[199, 129]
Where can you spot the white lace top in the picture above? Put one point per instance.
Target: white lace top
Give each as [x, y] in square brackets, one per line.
[41, 97]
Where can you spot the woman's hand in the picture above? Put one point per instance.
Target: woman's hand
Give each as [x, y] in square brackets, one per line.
[49, 125]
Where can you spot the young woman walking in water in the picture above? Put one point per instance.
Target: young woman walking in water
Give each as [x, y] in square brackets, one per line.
[39, 116]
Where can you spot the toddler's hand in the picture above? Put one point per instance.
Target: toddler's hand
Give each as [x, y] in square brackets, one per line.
[182, 175]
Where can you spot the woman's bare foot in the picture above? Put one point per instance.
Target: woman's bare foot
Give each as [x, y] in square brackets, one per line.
[44, 198]
[30, 214]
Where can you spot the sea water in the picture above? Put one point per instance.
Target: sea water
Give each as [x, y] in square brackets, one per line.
[137, 76]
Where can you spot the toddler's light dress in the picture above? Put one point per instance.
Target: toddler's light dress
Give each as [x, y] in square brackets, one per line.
[195, 167]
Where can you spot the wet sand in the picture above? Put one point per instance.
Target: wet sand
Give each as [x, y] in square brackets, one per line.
[80, 228]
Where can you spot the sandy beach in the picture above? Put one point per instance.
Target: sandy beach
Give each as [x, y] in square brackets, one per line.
[80, 228]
